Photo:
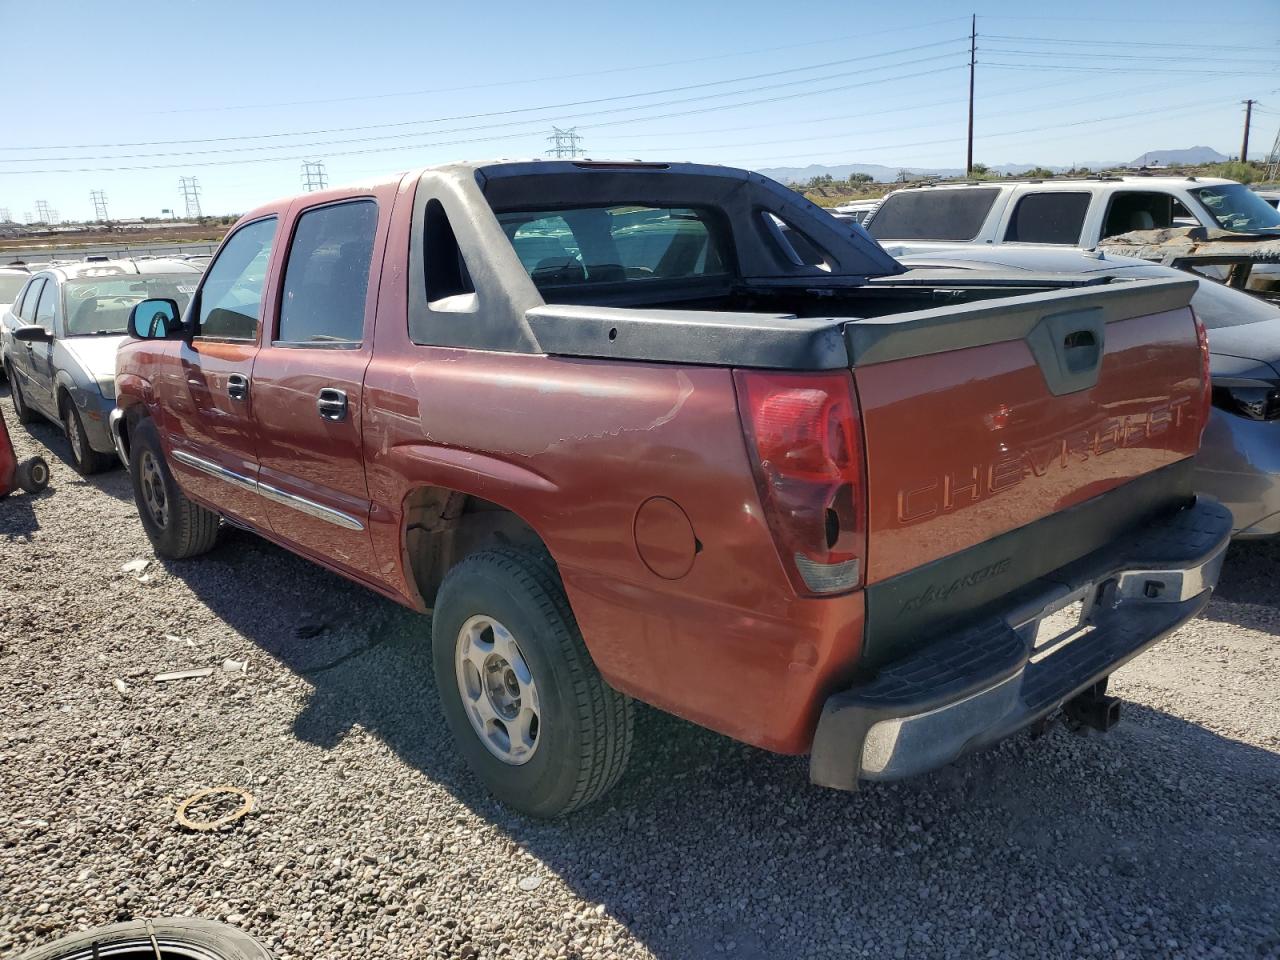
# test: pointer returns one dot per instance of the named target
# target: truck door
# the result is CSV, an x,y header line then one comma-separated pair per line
x,y
213,446
309,381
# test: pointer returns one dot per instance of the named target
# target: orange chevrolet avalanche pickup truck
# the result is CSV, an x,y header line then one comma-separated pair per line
x,y
671,433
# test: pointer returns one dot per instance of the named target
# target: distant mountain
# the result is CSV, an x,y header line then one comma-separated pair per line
x,y
1189,155
883,174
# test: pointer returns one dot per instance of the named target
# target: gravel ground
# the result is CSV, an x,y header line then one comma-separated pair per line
x,y
1161,839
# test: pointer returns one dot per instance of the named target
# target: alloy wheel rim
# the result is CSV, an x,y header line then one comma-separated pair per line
x,y
74,437
498,691
153,493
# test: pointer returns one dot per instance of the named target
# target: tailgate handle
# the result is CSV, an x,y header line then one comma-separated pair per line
x,y
1068,348
1080,348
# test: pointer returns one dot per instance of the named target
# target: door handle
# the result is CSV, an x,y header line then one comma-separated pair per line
x,y
332,403
238,387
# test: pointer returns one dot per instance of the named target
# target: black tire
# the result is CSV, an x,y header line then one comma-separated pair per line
x,y
84,458
32,475
182,528
133,941
24,413
585,726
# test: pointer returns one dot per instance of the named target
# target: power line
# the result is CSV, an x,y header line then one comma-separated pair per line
x,y
517,110
1134,43
314,176
429,144
190,188
524,81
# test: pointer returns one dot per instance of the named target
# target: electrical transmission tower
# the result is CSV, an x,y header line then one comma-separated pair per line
x,y
190,188
99,198
43,213
4,215
1273,160
313,175
564,143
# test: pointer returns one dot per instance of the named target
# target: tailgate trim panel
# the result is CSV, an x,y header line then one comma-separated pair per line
x,y
957,589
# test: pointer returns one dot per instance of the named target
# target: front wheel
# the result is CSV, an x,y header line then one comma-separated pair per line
x,y
84,458
177,527
529,711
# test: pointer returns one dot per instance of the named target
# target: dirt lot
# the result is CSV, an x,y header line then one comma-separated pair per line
x,y
1161,839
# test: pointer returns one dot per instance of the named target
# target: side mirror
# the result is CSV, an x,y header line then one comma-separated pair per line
x,y
155,320
32,333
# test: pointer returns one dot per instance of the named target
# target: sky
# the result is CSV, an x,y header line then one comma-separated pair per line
x,y
127,97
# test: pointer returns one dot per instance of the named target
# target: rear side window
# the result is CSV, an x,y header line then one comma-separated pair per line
x,y
29,300
614,244
933,214
1048,218
1138,211
327,275
231,298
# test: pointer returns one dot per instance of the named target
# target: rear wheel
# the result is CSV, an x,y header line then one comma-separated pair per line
x,y
24,413
84,458
177,527
529,711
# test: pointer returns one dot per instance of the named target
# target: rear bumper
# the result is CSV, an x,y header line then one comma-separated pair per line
x,y
975,687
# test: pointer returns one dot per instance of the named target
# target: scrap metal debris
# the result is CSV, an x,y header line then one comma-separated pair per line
x,y
246,807
136,567
184,674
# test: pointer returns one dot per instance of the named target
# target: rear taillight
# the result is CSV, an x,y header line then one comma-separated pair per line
x,y
803,431
1206,397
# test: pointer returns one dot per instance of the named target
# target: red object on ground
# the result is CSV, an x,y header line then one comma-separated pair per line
x,y
31,475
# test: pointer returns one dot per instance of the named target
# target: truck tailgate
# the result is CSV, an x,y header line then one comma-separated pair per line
x,y
1009,438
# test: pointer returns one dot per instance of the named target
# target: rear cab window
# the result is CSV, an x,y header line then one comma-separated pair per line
x,y
621,243
933,214
326,277
1050,217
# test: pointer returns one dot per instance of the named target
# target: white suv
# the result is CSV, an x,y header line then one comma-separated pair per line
x,y
1069,213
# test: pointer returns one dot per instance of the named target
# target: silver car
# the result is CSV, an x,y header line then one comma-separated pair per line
x,y
60,337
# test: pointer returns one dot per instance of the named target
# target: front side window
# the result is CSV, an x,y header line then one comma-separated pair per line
x,y
47,307
933,214
100,306
231,298
28,310
614,244
1048,218
1236,207
327,275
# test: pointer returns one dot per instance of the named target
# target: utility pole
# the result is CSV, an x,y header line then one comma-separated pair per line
x,y
99,198
973,50
564,143
313,175
1248,118
190,188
